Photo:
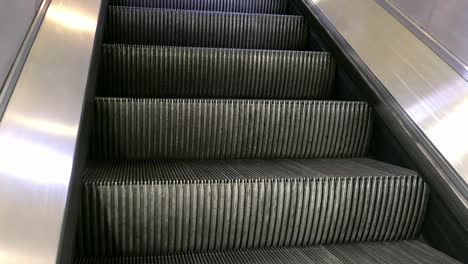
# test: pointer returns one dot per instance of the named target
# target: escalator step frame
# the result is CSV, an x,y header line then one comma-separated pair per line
x,y
229,129
124,216
187,72
240,6
167,27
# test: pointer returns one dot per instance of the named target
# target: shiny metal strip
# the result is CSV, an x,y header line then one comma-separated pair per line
x,y
419,96
444,20
39,131
16,17
438,45
8,48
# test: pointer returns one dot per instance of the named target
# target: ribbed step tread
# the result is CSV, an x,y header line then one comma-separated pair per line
x,y
179,72
159,207
407,252
208,128
147,26
241,6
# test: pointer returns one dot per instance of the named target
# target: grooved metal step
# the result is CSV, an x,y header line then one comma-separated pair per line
x,y
160,207
241,6
207,128
147,26
185,72
408,252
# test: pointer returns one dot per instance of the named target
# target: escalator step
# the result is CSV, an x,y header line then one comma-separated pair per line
x,y
241,6
160,207
408,252
174,72
145,129
147,26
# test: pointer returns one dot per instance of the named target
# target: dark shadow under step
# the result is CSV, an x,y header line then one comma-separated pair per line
x,y
180,72
159,207
209,128
242,6
147,26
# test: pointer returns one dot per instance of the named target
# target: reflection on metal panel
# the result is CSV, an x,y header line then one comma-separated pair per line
x,y
445,20
450,49
38,133
420,85
21,21
15,19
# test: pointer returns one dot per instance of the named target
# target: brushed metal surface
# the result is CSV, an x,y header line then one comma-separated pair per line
x,y
445,20
38,133
427,98
15,19
438,24
19,23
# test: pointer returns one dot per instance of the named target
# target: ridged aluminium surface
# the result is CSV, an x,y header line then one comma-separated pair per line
x,y
160,207
146,129
408,252
241,6
148,26
185,72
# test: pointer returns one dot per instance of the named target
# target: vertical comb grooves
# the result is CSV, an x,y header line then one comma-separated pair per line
x,y
412,252
204,129
116,222
147,26
264,167
136,71
241,6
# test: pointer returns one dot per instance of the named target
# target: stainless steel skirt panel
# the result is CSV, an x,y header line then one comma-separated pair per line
x,y
160,207
439,24
147,26
186,72
19,24
215,128
421,98
39,135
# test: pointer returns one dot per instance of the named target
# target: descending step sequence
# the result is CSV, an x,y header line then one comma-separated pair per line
x,y
215,131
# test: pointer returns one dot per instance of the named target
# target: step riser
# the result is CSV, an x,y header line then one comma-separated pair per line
x,y
169,72
167,217
204,29
395,252
223,129
241,6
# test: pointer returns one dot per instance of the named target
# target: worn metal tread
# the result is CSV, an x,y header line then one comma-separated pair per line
x,y
407,252
159,207
144,129
241,6
186,72
149,26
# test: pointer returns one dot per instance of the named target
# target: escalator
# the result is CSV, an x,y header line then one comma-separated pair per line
x,y
219,137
